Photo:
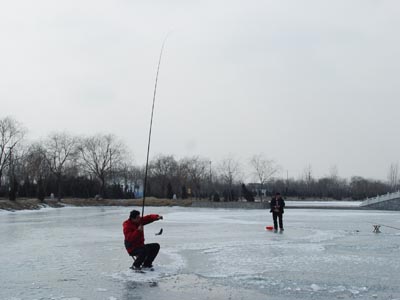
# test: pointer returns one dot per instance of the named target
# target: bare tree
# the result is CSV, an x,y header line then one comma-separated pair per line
x,y
37,169
162,169
11,134
197,172
61,153
393,176
229,172
307,174
100,155
132,178
308,179
334,172
337,184
264,169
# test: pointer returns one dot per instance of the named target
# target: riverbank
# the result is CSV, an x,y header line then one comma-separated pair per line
x,y
290,204
34,204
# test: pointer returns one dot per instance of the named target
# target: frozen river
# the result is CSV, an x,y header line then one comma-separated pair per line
x,y
77,253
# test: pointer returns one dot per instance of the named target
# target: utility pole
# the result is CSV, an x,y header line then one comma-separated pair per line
x,y
111,172
210,173
287,182
111,179
12,191
210,184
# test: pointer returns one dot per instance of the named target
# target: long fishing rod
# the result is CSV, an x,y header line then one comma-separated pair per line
x,y
151,124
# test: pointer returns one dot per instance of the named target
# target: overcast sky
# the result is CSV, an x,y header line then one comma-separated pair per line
x,y
304,82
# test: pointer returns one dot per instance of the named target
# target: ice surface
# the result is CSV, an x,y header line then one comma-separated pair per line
x,y
78,253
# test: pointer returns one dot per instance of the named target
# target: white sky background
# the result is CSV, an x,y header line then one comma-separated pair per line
x,y
304,82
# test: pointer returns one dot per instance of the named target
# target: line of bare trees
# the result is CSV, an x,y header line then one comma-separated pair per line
x,y
69,166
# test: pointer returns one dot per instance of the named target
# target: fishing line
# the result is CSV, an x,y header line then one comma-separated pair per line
x,y
384,225
389,226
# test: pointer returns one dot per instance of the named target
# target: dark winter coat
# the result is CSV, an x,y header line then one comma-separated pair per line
x,y
276,206
134,238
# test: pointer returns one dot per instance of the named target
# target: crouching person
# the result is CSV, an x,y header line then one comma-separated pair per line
x,y
134,240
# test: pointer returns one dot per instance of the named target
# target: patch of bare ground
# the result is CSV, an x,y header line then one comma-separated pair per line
x,y
31,204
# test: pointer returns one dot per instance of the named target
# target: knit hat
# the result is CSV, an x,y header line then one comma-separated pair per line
x,y
133,214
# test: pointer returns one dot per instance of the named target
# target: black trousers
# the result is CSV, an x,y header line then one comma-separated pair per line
x,y
145,255
277,216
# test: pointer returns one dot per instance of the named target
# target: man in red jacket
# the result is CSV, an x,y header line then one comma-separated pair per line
x,y
134,240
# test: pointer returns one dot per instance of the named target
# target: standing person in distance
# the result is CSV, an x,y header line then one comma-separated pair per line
x,y
277,208
134,240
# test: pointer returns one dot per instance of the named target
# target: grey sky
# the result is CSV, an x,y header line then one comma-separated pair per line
x,y
304,82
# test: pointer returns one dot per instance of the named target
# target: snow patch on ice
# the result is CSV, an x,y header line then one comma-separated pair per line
x,y
42,208
148,276
316,287
318,236
212,250
175,264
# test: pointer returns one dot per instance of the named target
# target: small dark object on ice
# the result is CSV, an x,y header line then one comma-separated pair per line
x,y
160,232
